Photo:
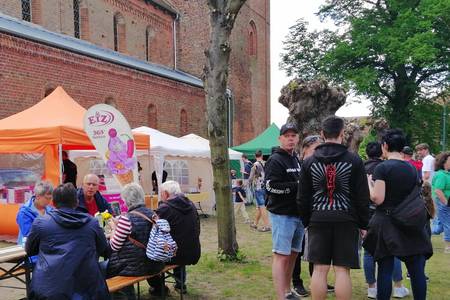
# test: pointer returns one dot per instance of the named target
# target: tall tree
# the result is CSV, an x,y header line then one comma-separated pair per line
x,y
223,14
395,52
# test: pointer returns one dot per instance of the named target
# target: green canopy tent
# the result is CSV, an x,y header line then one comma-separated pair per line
x,y
264,142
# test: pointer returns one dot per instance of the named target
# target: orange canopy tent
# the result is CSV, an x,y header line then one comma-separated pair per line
x,y
53,124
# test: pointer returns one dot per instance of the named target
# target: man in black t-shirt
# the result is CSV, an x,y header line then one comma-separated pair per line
x,y
334,204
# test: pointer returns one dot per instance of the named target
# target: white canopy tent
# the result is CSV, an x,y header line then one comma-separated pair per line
x,y
164,146
192,150
198,141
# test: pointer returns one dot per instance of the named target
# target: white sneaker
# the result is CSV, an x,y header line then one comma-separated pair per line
x,y
400,292
372,293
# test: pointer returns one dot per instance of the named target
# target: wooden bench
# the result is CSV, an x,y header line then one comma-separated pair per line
x,y
119,282
4,274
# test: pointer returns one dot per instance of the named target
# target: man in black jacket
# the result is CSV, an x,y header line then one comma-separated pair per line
x,y
184,222
334,203
282,172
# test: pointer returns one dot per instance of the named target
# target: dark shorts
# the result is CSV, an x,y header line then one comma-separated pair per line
x,y
333,244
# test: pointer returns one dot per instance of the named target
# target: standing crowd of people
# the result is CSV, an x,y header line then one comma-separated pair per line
x,y
326,205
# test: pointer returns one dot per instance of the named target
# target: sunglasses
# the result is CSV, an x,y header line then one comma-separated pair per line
x,y
309,140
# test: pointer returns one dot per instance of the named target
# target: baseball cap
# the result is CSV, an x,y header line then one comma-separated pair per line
x,y
288,126
407,150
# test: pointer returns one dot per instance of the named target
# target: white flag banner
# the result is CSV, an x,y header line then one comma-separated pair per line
x,y
111,135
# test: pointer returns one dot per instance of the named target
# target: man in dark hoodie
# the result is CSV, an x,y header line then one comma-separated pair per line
x,y
68,244
334,204
184,222
282,171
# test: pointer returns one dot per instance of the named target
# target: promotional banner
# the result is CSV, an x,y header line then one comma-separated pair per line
x,y
111,135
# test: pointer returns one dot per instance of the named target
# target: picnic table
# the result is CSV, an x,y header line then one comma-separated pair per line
x,y
16,257
151,201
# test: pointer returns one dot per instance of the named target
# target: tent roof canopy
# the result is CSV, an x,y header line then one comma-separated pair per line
x,y
198,141
165,144
57,119
264,142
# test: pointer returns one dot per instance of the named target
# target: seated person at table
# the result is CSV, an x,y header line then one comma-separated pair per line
x,y
89,198
68,244
37,205
130,236
184,222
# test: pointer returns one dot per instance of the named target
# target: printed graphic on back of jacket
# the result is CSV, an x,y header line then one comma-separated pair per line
x,y
332,185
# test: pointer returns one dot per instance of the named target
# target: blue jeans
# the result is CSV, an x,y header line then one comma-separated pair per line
x,y
416,269
443,212
369,269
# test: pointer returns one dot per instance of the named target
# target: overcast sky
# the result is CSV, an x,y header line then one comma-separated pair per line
x,y
284,13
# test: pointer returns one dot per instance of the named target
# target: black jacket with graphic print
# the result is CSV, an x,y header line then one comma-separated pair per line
x,y
282,172
333,187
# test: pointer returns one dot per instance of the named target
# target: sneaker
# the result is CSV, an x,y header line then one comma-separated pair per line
x,y
300,291
247,221
400,292
264,229
330,288
372,293
291,296
254,226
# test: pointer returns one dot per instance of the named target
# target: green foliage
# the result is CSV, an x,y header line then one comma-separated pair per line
x,y
239,257
371,137
426,125
391,51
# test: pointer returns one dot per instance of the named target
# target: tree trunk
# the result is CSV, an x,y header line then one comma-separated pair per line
x,y
222,16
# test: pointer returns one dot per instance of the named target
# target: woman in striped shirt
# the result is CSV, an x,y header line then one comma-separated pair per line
x,y
130,236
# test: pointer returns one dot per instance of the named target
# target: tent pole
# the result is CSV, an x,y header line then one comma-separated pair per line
x,y
61,166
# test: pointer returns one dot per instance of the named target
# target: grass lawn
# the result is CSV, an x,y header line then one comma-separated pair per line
x,y
252,279
212,279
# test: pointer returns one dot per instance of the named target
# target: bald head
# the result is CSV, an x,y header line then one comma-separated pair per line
x,y
90,185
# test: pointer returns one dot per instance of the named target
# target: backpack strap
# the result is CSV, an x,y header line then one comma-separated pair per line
x,y
142,216
134,241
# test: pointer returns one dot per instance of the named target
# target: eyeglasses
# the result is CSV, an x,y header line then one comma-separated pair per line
x,y
309,140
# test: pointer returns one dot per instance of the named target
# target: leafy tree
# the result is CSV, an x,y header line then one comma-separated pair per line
x,y
394,52
223,14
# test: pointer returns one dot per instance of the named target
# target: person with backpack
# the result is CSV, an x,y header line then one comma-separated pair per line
x,y
130,235
184,221
256,178
391,232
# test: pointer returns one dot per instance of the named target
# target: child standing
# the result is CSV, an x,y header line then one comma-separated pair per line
x,y
239,200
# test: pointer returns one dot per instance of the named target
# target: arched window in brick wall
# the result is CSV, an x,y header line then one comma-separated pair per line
x,y
48,90
84,19
148,31
76,18
119,33
111,101
26,10
252,39
152,116
183,122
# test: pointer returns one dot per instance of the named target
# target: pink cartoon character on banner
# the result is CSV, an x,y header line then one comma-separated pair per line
x,y
120,157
